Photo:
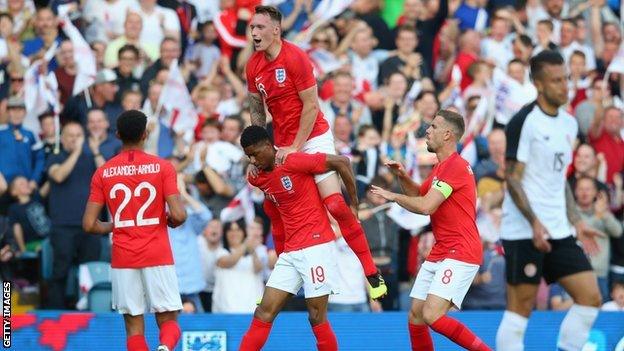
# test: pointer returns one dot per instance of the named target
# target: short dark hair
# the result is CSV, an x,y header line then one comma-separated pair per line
x,y
128,47
544,58
548,23
7,16
515,61
131,126
407,28
253,135
569,20
236,118
455,120
578,53
270,11
45,115
525,40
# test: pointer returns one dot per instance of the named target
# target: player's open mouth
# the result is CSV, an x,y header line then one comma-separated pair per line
x,y
257,41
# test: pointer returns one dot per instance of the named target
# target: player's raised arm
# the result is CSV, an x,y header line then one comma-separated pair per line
x,y
425,205
91,222
342,165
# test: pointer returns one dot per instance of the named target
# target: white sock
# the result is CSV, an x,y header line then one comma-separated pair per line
x,y
510,335
576,326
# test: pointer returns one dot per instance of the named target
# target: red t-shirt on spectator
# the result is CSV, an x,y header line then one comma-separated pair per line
x,y
613,150
464,61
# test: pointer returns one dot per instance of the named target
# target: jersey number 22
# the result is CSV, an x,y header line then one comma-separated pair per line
x,y
127,195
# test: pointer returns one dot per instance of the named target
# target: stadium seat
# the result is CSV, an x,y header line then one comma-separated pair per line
x,y
95,282
100,298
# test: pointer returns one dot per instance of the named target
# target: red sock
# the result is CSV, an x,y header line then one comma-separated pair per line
x,y
256,336
279,236
459,334
137,343
325,337
420,337
351,231
169,334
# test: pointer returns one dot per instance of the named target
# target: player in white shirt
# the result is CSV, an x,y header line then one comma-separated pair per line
x,y
537,212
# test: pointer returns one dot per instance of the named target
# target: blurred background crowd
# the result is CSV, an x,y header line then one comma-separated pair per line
x,y
69,67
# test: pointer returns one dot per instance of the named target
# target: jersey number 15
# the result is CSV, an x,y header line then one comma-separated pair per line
x,y
127,195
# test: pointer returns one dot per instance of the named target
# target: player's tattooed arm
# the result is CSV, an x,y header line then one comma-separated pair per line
x,y
571,210
514,171
256,107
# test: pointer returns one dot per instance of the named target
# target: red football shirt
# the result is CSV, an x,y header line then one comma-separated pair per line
x,y
134,186
292,189
454,222
613,150
279,82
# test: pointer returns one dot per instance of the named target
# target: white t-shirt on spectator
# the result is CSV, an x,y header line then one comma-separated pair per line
x,y
612,306
237,288
511,95
227,108
499,51
152,31
206,9
365,68
220,157
208,262
110,14
590,57
352,282
206,56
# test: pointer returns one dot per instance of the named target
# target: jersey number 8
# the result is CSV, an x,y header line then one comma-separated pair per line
x,y
127,193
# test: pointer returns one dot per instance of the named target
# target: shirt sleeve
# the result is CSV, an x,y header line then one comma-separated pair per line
x,y
170,180
97,189
447,180
302,71
307,163
518,133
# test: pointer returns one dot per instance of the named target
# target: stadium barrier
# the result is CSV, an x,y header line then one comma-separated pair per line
x,y
355,331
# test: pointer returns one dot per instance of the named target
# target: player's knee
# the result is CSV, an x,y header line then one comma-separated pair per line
x,y
266,313
316,315
431,314
591,298
337,207
415,315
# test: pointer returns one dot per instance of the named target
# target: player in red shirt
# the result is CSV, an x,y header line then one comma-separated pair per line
x,y
279,75
136,187
449,196
308,256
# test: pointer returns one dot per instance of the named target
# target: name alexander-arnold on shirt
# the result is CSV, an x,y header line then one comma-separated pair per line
x,y
130,170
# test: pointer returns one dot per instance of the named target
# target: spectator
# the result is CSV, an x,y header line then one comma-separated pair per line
x,y
426,106
568,44
472,15
46,28
605,135
204,54
469,50
187,17
594,209
185,250
107,16
21,11
231,129
70,174
558,298
410,63
343,103
169,51
394,106
133,26
343,135
598,94
158,23
367,157
587,164
488,290
383,239
213,190
100,95
27,216
238,278
617,295
131,100
219,155
128,63
101,142
22,153
364,61
209,243
496,157
48,133
578,82
544,35
66,71
352,283
497,47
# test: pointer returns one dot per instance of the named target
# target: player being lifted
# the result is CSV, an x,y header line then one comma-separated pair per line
x,y
279,74
449,196
136,187
307,257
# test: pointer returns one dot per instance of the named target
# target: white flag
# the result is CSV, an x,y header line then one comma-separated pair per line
x,y
241,206
83,55
617,64
39,95
176,100
328,9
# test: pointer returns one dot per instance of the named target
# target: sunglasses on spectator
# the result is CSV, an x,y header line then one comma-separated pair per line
x,y
128,58
321,40
17,79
